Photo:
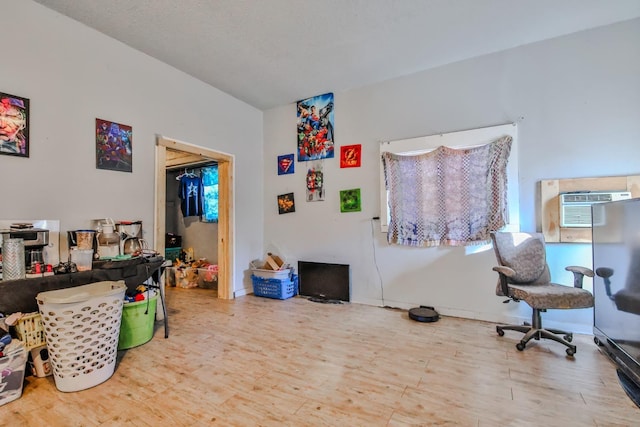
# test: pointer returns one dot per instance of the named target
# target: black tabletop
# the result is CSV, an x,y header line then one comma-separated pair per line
x,y
20,295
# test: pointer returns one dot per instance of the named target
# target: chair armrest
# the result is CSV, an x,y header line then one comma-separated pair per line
x,y
582,270
504,272
606,273
501,269
578,274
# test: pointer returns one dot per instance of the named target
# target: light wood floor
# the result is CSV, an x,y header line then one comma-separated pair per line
x,y
257,361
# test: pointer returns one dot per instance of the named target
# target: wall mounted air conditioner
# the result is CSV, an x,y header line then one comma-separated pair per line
x,y
575,208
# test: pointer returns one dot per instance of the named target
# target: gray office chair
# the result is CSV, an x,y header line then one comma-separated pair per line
x,y
524,276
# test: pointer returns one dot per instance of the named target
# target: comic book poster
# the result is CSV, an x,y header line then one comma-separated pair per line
x,y
285,164
14,125
286,203
315,184
113,146
350,200
315,128
350,156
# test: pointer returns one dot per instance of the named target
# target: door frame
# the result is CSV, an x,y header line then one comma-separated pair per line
x,y
226,246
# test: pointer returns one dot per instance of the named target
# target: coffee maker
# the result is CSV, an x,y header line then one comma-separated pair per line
x,y
130,237
35,239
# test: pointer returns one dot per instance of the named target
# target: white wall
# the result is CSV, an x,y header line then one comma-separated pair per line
x,y
73,75
576,100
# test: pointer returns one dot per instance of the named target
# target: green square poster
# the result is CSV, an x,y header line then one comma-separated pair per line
x,y
350,200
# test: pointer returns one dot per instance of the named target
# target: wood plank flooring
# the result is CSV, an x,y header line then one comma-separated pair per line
x,y
262,362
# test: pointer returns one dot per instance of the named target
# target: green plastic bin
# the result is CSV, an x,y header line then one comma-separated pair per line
x,y
138,320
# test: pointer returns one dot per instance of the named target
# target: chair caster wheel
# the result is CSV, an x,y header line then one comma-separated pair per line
x,y
571,352
568,337
520,346
499,331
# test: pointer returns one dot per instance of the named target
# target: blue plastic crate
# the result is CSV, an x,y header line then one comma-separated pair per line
x,y
275,288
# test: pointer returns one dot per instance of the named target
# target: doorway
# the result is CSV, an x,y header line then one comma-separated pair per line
x,y
189,154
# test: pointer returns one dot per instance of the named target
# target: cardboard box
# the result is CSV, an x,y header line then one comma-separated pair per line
x,y
273,262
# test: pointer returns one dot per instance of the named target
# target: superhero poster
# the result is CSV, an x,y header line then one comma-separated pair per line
x,y
285,164
315,128
286,203
315,184
14,125
350,156
113,146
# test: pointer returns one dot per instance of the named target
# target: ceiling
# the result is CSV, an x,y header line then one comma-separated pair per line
x,y
275,52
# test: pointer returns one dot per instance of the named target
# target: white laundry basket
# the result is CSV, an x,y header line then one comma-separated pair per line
x,y
82,326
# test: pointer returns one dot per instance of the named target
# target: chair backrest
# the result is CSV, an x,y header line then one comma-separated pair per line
x,y
525,254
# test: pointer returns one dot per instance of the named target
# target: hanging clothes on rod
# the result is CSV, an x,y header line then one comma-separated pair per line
x,y
185,173
191,193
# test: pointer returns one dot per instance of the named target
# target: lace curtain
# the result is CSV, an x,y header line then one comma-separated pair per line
x,y
448,196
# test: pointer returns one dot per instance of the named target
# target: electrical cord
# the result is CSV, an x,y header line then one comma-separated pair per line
x,y
375,260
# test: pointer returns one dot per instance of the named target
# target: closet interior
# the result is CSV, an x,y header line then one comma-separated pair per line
x,y
191,225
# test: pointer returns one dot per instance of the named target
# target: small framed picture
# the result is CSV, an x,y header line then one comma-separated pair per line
x,y
315,183
286,203
350,200
113,146
350,156
286,164
14,125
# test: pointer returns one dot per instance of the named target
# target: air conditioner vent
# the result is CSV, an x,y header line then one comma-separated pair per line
x,y
588,197
575,208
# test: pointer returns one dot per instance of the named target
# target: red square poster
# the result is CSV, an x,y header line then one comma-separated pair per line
x,y
350,156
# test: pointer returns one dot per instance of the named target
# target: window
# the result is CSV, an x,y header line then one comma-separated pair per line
x,y
463,139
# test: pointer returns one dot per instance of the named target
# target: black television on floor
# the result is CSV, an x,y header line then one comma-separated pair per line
x,y
324,281
616,287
